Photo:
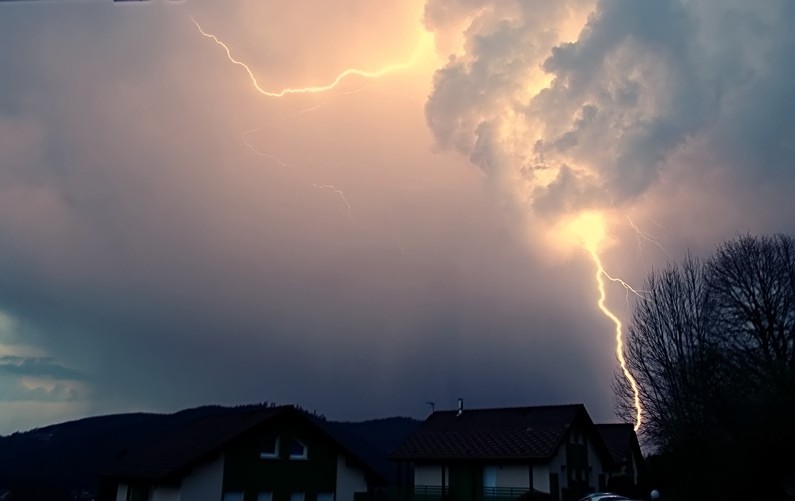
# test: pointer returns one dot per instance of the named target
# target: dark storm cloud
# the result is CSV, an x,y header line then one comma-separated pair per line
x,y
640,81
12,392
45,367
681,109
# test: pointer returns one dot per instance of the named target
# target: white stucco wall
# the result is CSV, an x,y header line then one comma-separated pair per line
x,y
428,475
516,476
121,492
541,477
204,483
349,480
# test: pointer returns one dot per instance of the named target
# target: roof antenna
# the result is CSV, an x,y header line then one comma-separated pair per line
x,y
432,404
460,406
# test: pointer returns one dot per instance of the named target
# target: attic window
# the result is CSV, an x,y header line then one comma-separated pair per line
x,y
269,448
297,449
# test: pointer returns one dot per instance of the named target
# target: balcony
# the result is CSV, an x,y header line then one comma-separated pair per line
x,y
503,493
430,493
435,493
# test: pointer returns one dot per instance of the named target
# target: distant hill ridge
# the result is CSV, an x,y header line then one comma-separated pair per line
x,y
62,460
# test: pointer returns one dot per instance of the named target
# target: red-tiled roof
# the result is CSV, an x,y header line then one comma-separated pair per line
x,y
530,433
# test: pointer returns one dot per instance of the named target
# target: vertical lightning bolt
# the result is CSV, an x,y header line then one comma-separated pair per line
x,y
589,229
600,284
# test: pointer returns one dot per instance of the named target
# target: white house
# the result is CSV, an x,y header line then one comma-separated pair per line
x,y
246,454
552,452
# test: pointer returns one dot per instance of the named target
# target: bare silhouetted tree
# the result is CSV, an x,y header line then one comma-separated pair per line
x,y
712,347
671,351
753,282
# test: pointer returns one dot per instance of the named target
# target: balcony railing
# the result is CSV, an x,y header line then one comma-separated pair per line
x,y
503,493
435,493
430,492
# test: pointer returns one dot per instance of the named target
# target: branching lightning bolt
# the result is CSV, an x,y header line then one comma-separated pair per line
x,y
275,158
263,154
642,235
600,283
590,230
341,195
344,199
312,89
628,288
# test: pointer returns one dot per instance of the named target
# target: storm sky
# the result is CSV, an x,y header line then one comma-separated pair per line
x,y
171,235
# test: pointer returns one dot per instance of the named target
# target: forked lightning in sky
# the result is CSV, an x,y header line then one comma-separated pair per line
x,y
600,283
590,229
313,89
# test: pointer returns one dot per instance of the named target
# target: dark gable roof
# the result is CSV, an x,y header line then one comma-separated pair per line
x,y
618,438
528,433
172,456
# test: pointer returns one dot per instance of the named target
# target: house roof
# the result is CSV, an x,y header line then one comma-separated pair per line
x,y
527,433
199,440
619,439
168,458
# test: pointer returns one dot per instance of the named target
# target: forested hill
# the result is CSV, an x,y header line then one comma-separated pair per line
x,y
61,461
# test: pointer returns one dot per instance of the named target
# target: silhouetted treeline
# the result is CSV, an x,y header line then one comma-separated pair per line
x,y
712,347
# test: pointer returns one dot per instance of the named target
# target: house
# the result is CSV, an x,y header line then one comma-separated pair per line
x,y
545,452
251,453
627,458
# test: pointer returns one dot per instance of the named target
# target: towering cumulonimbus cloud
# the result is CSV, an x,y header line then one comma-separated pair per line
x,y
576,105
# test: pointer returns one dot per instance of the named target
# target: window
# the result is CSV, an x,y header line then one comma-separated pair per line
x,y
297,496
325,496
233,496
297,449
265,496
270,447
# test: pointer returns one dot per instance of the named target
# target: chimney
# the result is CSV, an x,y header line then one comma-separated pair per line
x,y
460,406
